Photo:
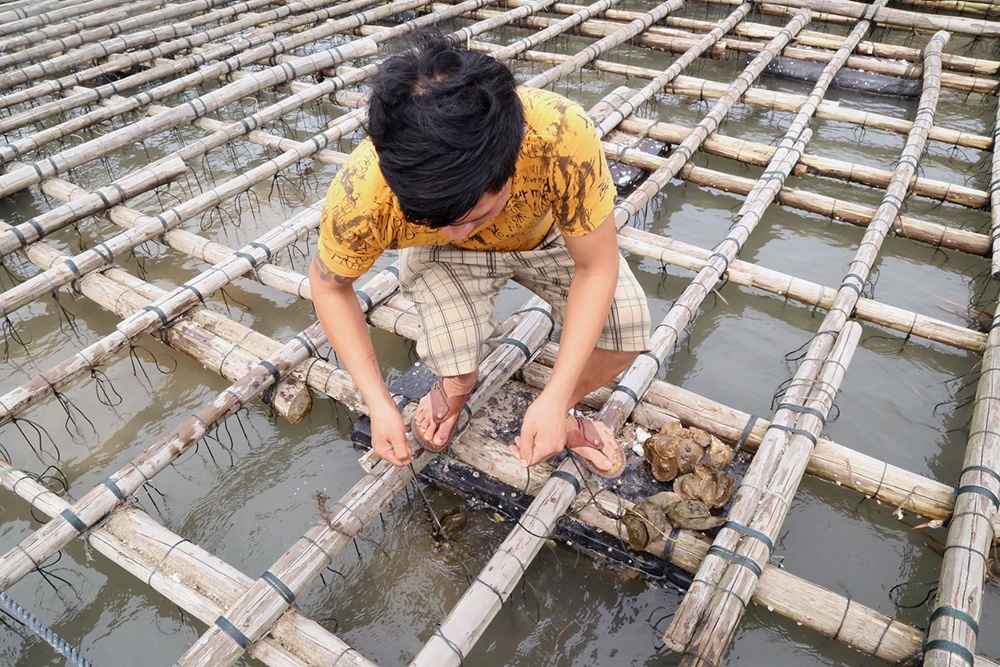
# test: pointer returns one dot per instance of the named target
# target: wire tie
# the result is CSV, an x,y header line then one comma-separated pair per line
x,y
452,645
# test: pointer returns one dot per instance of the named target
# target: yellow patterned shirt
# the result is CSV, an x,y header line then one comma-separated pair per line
x,y
560,177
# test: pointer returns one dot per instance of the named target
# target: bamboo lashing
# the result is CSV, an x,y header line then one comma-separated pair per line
x,y
916,229
261,605
58,12
144,56
55,30
139,181
751,152
134,541
24,10
97,503
954,81
103,41
705,621
288,16
480,603
898,17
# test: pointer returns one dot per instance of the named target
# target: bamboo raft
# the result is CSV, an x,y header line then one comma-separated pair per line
x,y
164,166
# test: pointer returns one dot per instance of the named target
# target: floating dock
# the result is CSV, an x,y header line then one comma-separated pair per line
x,y
144,139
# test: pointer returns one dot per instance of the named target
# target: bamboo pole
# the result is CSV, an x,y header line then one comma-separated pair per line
x,y
913,228
750,152
145,179
103,499
704,89
706,619
57,12
982,8
898,18
471,615
56,30
954,623
102,41
200,583
995,198
314,12
262,604
955,81
24,10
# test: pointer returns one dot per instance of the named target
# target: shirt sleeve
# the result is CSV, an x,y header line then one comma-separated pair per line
x,y
583,190
348,241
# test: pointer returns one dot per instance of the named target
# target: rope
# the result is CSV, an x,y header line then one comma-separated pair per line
x,y
43,631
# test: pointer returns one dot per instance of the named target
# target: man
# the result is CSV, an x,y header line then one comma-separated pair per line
x,y
479,182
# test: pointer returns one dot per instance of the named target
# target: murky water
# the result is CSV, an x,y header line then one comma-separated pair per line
x,y
247,495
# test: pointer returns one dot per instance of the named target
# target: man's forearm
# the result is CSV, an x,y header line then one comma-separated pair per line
x,y
344,324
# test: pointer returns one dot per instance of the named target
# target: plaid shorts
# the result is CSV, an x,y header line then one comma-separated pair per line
x,y
454,291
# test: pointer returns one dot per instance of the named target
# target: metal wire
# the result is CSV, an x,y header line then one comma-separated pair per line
x,y
43,631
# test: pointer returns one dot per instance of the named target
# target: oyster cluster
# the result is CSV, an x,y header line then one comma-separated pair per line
x,y
695,462
655,516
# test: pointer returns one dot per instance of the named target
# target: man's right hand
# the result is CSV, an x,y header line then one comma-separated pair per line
x,y
389,434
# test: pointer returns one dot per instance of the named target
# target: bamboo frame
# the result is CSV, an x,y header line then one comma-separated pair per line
x,y
898,17
706,619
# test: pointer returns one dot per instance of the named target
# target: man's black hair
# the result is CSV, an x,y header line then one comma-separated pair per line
x,y
447,125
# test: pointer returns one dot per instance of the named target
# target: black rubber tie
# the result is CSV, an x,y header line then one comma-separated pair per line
x,y
950,647
671,540
73,520
981,490
247,128
163,221
234,633
957,614
279,586
568,477
854,275
393,269
367,299
114,488
248,257
272,369
306,343
801,408
734,557
159,313
38,170
512,341
539,309
110,257
73,267
103,198
627,391
261,246
34,224
796,431
747,430
20,237
989,471
750,532
317,143
725,258
195,291
651,356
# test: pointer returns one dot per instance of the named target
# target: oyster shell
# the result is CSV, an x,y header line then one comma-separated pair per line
x,y
719,454
713,488
689,454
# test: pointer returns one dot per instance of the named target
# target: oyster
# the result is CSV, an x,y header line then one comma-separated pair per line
x,y
693,515
711,488
719,454
689,454
453,522
645,522
661,452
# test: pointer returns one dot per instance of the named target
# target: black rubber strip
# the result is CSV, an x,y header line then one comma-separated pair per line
x,y
195,291
248,257
159,313
981,490
261,246
950,647
306,343
272,369
393,269
989,471
114,488
73,267
279,586
568,477
34,224
512,341
796,431
750,532
103,198
801,408
234,633
957,614
734,557
628,392
20,237
538,309
361,294
74,520
109,257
